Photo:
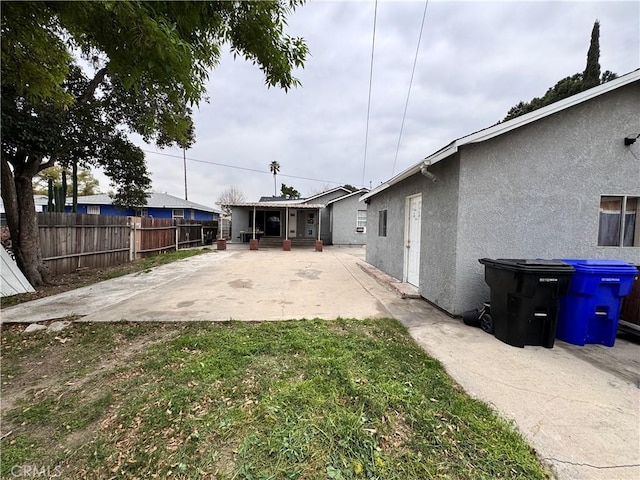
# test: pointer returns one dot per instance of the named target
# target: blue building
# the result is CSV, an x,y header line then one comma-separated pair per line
x,y
159,205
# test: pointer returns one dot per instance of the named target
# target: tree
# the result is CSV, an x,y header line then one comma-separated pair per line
x,y
289,192
229,196
87,183
38,135
151,64
571,85
274,167
591,75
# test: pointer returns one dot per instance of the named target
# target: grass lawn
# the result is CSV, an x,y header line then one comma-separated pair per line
x,y
310,399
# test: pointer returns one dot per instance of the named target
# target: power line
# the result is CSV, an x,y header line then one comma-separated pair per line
x,y
406,105
208,162
366,136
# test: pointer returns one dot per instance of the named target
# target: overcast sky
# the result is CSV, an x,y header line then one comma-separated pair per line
x,y
476,60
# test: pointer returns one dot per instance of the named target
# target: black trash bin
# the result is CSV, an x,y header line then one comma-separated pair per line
x,y
524,298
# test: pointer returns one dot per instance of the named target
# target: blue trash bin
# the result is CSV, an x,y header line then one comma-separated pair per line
x,y
590,311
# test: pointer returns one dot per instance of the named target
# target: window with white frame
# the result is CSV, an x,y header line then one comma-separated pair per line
x,y
178,213
361,221
619,225
93,209
382,223
144,212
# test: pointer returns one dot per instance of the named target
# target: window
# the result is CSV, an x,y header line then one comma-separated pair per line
x,y
178,213
144,212
382,223
361,221
93,209
619,224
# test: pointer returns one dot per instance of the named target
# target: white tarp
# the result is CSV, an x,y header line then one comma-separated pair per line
x,y
13,280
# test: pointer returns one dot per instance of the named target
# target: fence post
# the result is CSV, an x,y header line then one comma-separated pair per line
x,y
132,239
177,227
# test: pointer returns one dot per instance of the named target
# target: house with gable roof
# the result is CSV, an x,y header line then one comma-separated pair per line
x,y
559,182
159,205
271,220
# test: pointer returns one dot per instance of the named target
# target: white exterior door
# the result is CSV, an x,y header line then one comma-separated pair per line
x,y
412,236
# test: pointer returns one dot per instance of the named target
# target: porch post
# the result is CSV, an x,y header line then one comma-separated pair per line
x,y
318,241
286,244
254,223
253,243
286,224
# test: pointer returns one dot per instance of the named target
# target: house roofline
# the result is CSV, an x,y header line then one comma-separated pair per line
x,y
326,193
267,205
104,199
505,127
362,191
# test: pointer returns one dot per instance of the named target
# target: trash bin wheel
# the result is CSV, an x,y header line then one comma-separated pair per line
x,y
471,318
486,323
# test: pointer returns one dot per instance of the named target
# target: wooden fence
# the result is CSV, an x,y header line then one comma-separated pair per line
x,y
72,241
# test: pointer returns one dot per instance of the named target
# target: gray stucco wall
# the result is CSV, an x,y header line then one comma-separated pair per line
x,y
343,221
439,239
386,253
239,222
535,192
325,227
437,231
531,193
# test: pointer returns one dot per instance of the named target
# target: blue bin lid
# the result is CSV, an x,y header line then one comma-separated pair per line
x,y
617,267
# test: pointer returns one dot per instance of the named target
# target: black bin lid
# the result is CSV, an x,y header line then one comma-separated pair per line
x,y
528,265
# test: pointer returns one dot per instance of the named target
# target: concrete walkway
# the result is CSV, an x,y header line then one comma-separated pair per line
x,y
579,407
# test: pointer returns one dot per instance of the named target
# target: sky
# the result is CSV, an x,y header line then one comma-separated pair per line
x,y
475,61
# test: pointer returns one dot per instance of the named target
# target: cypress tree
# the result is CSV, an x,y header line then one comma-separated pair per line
x,y
572,85
591,75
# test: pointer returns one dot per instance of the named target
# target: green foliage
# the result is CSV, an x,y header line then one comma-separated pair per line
x,y
274,167
35,58
89,133
591,75
58,194
572,85
87,183
169,47
289,192
151,65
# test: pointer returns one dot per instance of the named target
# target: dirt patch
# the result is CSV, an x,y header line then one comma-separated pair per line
x,y
241,284
348,330
53,372
399,433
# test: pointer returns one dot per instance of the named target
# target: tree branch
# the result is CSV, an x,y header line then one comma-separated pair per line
x,y
49,163
93,84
